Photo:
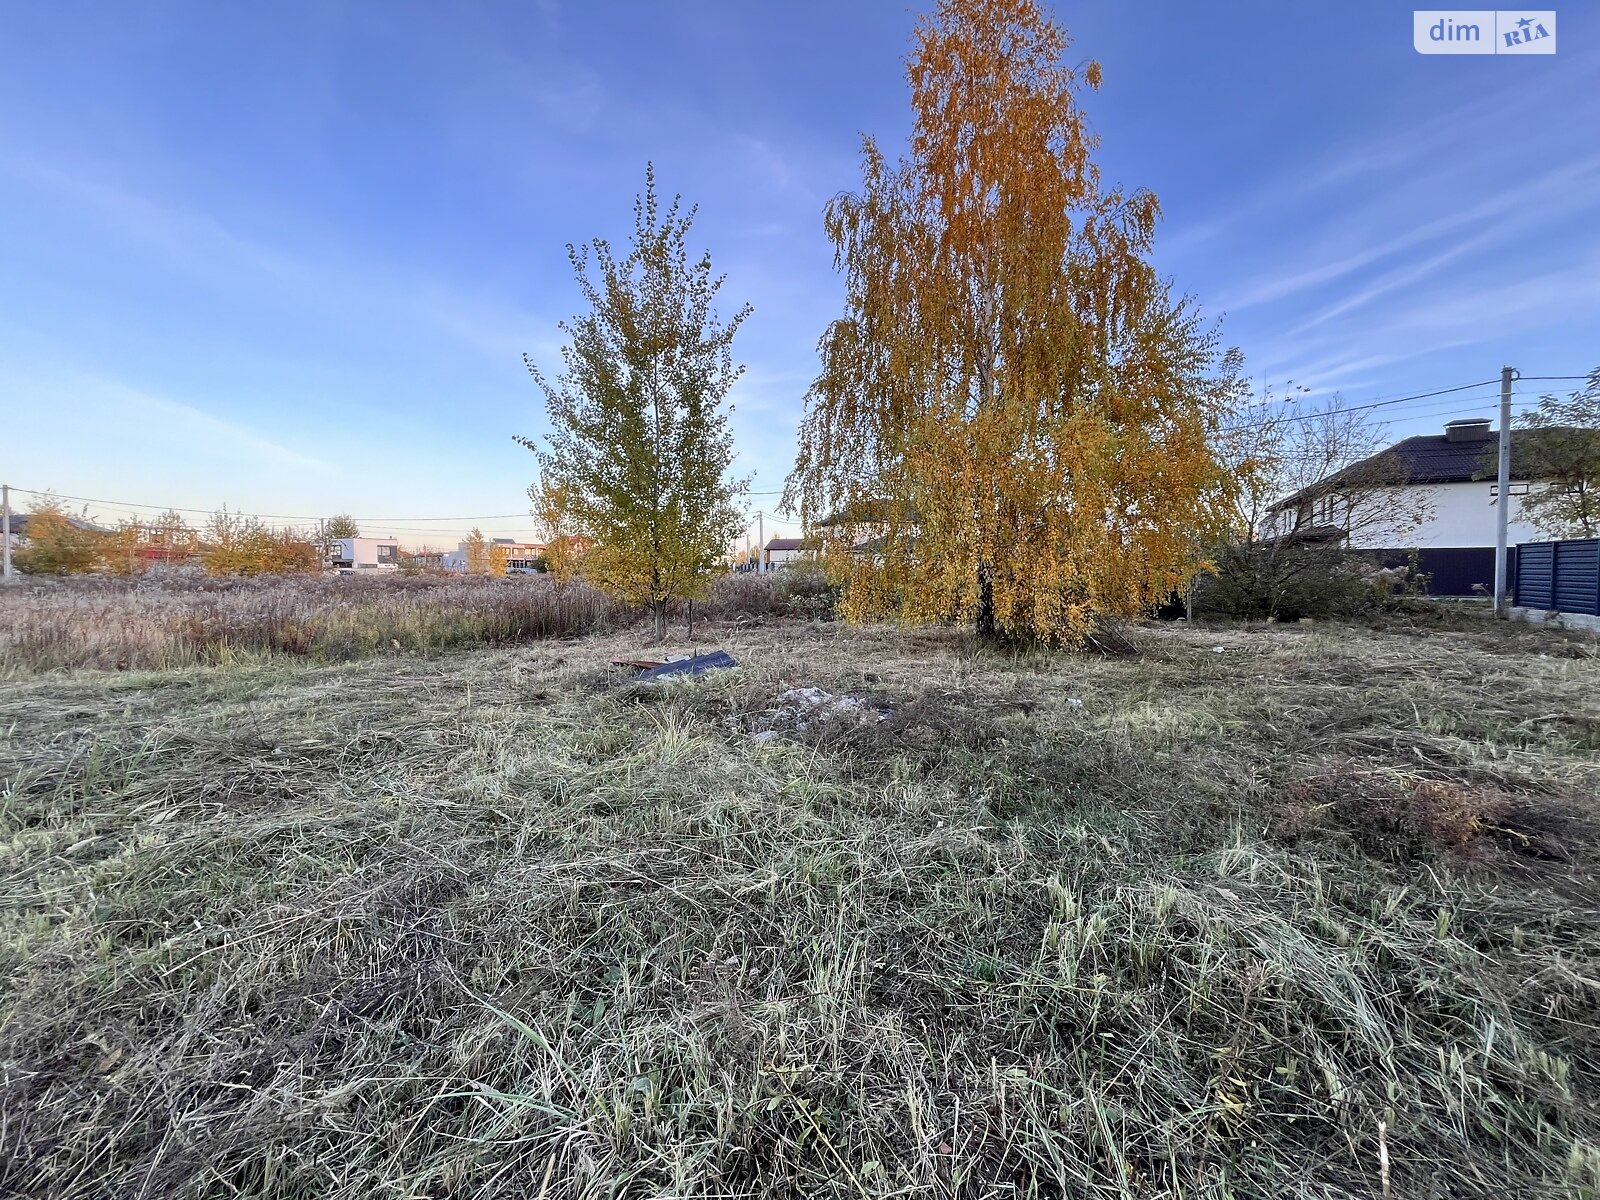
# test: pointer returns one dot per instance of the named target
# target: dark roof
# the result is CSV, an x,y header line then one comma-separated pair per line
x,y
868,512
1433,458
19,524
875,546
788,544
860,512
1314,533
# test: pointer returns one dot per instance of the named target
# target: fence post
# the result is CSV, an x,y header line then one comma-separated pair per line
x,y
1594,590
1502,514
5,529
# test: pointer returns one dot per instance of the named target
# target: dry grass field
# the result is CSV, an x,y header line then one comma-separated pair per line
x,y
1314,914
182,621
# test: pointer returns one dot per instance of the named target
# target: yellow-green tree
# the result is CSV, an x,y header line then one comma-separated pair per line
x,y
133,547
1013,386
171,534
341,525
636,468
120,548
57,543
235,544
563,550
499,560
230,544
477,553
1558,444
291,552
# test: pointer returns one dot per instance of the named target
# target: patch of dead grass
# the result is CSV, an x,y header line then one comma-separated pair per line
x,y
487,924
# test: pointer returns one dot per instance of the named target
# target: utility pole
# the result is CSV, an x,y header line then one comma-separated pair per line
x,y
5,528
1503,494
761,542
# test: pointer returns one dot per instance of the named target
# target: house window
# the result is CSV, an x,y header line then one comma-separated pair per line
x,y
1514,489
387,554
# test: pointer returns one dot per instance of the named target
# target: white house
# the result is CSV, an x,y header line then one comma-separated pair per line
x,y
861,526
781,551
363,554
1454,473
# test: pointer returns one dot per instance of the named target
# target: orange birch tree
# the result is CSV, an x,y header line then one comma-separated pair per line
x,y
1013,387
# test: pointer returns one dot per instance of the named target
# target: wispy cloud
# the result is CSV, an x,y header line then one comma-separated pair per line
x,y
1409,159
1563,189
1508,304
119,412
185,238
218,430
194,242
1392,282
500,329
1324,367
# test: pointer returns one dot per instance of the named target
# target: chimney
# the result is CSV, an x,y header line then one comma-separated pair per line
x,y
1475,429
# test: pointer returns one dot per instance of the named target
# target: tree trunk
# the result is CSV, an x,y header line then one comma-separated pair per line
x,y
988,627
691,620
659,610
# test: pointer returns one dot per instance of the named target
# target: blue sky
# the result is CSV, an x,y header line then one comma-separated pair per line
x,y
287,256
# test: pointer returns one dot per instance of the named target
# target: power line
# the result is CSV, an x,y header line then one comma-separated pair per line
x,y
394,521
751,516
1350,408
1424,414
458,524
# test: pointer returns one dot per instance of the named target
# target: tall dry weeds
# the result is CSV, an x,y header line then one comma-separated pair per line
x,y
152,624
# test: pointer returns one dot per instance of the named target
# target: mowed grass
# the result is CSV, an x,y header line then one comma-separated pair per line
x,y
1314,915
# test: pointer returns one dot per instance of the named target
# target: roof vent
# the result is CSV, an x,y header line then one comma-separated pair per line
x,y
1474,430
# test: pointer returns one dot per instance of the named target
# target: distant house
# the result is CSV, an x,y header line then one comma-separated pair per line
x,y
520,557
857,525
19,528
782,551
853,516
1456,472
169,552
362,554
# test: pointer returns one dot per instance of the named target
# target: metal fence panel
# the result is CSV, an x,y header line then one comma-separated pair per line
x,y
1559,576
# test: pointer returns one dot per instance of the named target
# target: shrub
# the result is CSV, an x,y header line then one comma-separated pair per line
x,y
793,591
803,590
742,594
57,544
1285,582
